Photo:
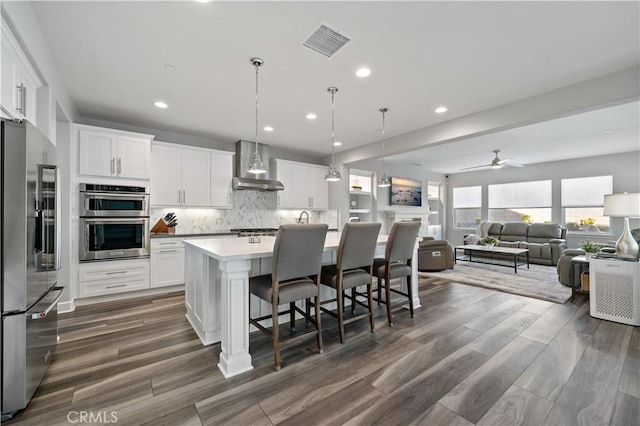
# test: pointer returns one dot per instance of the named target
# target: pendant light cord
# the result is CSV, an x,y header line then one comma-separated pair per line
x,y
384,110
256,138
333,141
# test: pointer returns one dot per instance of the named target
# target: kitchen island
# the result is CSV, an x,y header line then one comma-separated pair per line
x,y
217,291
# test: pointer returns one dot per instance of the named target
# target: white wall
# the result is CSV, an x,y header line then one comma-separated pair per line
x,y
623,167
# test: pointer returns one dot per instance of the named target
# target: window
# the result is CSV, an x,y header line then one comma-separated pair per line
x,y
520,202
582,202
467,203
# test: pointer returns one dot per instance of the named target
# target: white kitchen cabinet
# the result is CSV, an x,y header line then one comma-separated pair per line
x,y
19,81
105,152
167,262
118,276
304,185
221,177
190,177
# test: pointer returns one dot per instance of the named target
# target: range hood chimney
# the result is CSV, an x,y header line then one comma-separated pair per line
x,y
246,180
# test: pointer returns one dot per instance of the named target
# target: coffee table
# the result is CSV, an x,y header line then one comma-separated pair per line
x,y
493,250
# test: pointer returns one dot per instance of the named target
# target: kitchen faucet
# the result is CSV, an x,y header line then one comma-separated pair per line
x,y
303,212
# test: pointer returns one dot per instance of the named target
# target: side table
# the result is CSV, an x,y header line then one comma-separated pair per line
x,y
579,264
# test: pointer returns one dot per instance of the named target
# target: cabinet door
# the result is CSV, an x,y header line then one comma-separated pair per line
x,y
318,188
285,175
300,196
221,176
28,102
134,157
97,153
166,171
9,83
167,267
196,178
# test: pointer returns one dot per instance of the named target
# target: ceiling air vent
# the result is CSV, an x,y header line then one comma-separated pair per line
x,y
326,41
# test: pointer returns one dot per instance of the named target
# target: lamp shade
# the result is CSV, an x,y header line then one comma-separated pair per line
x,y
622,205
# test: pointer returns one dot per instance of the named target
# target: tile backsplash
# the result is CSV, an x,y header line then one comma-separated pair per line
x,y
251,209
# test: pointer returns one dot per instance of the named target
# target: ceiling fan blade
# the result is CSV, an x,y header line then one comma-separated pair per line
x,y
503,161
477,167
513,165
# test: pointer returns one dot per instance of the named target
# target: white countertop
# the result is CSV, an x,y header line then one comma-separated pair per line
x,y
225,249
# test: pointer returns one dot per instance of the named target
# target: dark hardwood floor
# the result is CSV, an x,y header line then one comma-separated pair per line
x,y
470,356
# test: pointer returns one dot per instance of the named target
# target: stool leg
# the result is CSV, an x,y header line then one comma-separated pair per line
x,y
370,302
292,315
276,336
340,301
316,305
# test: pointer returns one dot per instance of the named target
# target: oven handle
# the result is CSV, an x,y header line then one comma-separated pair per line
x,y
98,220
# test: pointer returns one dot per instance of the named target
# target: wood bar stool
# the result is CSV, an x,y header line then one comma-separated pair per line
x,y
396,263
295,275
352,269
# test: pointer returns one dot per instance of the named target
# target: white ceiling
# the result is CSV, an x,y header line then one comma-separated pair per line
x,y
469,56
605,131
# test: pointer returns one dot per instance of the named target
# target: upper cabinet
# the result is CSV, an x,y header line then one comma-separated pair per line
x,y
19,80
109,153
190,177
304,185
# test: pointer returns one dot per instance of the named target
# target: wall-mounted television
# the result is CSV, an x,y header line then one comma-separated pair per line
x,y
406,192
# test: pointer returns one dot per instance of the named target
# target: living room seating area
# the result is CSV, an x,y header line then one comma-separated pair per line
x,y
545,241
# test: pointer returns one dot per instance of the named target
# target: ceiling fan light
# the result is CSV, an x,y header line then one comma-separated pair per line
x,y
496,166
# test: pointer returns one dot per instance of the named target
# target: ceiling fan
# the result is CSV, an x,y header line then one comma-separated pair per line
x,y
497,163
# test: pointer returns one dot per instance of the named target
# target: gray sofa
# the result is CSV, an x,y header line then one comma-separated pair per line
x,y
545,241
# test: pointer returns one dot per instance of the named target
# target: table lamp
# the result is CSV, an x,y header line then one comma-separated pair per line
x,y
624,205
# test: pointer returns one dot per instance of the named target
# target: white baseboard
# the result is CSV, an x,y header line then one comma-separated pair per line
x,y
64,307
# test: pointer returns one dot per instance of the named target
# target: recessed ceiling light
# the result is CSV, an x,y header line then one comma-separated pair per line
x,y
203,1
337,143
169,67
441,109
608,131
268,129
161,104
363,72
311,116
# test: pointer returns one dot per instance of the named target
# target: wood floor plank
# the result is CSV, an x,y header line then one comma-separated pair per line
x,y
517,407
550,371
473,397
626,410
187,416
612,338
495,316
398,373
588,397
253,416
416,397
630,379
583,322
537,306
550,323
332,410
504,332
439,415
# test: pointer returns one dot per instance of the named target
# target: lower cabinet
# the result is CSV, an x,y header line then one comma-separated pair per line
x,y
167,262
111,277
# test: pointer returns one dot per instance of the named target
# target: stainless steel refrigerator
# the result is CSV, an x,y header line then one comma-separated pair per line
x,y
29,256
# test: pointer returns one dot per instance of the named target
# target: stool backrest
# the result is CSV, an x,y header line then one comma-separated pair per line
x,y
297,251
402,240
357,245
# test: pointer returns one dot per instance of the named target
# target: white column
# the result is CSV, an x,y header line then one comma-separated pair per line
x,y
234,316
414,279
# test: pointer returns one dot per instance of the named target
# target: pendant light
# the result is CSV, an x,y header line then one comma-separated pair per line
x,y
384,181
333,175
256,165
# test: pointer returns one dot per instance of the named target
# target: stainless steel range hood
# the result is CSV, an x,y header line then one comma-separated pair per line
x,y
245,180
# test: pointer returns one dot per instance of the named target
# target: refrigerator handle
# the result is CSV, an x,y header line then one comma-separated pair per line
x,y
45,312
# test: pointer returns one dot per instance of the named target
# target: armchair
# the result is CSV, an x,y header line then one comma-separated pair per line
x,y
435,255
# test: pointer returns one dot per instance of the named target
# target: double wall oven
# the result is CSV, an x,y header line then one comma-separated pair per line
x,y
114,222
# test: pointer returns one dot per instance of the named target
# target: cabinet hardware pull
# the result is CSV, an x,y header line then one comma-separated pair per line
x,y
179,196
116,286
169,251
21,99
116,272
119,165
113,165
166,244
184,196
